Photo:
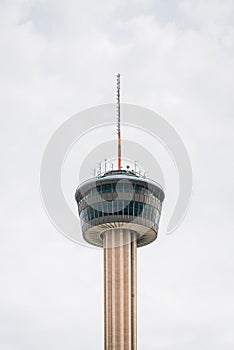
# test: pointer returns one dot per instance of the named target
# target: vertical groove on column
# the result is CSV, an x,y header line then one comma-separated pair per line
x,y
112,306
105,298
117,277
127,291
134,293
121,234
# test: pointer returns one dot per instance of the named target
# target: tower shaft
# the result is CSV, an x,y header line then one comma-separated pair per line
x,y
120,289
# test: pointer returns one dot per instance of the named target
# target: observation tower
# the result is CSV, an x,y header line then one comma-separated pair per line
x,y
120,211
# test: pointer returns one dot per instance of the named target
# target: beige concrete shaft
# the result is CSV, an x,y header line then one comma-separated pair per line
x,y
120,288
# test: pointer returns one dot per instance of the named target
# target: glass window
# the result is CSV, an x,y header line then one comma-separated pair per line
x,y
156,215
105,188
125,187
85,215
130,208
141,207
145,212
152,214
115,206
126,209
135,208
109,207
99,207
119,187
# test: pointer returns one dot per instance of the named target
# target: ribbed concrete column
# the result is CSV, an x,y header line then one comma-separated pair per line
x,y
120,254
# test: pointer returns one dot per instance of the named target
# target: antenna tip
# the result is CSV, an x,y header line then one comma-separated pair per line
x,y
118,81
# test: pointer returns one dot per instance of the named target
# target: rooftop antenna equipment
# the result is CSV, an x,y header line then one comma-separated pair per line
x,y
105,164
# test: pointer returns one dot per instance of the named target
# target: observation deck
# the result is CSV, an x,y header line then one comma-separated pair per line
x,y
119,199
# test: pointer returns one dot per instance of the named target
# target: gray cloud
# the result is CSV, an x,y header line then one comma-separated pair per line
x,y
176,57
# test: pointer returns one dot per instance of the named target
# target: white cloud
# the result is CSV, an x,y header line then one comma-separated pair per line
x,y
58,58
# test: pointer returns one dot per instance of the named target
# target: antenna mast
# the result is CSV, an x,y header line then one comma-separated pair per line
x,y
118,122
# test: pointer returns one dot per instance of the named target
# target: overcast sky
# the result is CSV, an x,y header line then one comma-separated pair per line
x,y
58,58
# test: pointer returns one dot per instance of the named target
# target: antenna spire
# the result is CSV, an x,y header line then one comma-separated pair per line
x,y
118,121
